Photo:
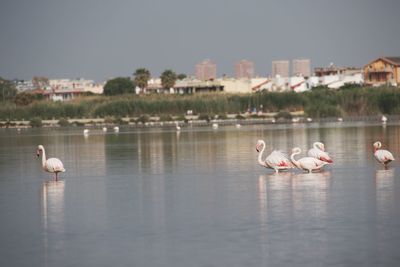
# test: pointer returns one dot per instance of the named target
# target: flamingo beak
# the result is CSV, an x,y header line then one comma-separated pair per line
x,y
258,148
37,153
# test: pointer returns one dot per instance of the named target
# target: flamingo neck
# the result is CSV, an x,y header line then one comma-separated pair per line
x,y
260,161
316,146
43,158
295,162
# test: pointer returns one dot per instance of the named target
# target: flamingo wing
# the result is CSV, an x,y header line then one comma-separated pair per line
x,y
319,154
383,156
310,163
54,165
278,159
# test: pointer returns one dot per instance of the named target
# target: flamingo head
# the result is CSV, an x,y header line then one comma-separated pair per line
x,y
38,150
377,145
259,146
296,150
320,145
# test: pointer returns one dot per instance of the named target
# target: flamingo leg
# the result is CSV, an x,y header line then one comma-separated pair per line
x,y
56,176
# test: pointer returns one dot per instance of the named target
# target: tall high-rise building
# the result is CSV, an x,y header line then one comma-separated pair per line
x,y
301,67
244,69
206,70
281,68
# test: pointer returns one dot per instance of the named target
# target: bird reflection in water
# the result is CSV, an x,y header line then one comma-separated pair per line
x,y
52,214
318,180
310,193
53,203
385,195
272,187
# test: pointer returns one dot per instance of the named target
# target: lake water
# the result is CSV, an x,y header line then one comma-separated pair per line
x,y
155,197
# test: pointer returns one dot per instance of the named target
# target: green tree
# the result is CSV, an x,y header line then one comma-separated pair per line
x,y
7,90
24,99
181,76
117,86
142,76
168,79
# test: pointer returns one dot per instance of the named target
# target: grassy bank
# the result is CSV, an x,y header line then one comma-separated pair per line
x,y
318,103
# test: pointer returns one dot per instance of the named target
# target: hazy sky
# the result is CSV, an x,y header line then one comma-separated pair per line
x,y
100,39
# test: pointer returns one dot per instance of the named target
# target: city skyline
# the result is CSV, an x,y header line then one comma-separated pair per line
x,y
100,40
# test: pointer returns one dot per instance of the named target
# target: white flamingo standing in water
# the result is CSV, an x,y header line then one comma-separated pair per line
x,y
52,165
277,160
318,152
178,128
382,156
307,163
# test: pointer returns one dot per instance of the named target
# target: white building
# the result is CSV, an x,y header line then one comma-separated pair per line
x,y
76,85
235,86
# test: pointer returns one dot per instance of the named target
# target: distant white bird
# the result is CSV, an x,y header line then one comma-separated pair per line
x,y
178,128
277,160
307,163
215,126
318,152
52,165
238,125
340,119
309,119
273,121
116,129
295,120
86,131
104,129
382,156
384,119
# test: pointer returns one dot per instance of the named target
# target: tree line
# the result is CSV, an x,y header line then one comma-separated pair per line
x,y
316,103
122,85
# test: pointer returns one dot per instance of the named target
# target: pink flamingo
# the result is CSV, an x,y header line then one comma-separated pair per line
x,y
382,156
307,163
318,152
52,165
277,160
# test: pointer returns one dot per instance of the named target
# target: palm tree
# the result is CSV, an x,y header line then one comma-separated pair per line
x,y
168,79
142,76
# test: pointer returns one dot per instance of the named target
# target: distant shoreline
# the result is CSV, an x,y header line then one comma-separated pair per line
x,y
194,122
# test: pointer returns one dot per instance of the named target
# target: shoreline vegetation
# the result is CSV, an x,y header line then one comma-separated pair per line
x,y
318,104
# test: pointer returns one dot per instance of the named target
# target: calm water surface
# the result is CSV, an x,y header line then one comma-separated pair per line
x,y
154,197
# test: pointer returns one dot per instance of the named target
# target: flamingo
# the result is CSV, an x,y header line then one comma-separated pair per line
x,y
318,152
52,165
382,156
384,119
86,131
277,160
215,126
104,129
178,128
116,129
307,163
